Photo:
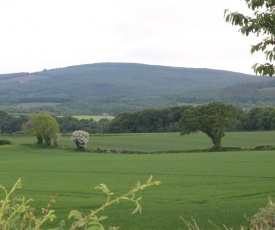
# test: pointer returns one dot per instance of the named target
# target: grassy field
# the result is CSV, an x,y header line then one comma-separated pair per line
x,y
150,142
219,186
95,118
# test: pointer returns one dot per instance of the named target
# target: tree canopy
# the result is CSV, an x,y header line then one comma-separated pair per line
x,y
211,119
43,126
261,23
148,120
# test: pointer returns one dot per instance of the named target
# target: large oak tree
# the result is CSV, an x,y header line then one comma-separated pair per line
x,y
211,119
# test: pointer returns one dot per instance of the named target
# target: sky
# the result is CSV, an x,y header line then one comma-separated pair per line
x,y
49,34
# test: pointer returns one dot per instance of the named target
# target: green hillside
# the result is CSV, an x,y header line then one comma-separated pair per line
x,y
113,87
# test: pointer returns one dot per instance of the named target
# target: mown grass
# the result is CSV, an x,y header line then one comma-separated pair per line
x,y
221,186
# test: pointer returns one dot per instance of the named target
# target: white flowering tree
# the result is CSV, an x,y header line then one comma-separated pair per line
x,y
80,138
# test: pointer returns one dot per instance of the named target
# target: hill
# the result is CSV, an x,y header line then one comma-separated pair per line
x,y
115,87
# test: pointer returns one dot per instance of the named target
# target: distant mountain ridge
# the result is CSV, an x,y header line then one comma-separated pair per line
x,y
115,87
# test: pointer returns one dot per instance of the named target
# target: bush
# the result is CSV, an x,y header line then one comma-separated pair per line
x,y
80,138
263,220
264,147
5,142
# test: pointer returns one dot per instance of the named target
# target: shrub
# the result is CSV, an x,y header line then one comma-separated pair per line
x,y
5,142
264,147
80,138
263,220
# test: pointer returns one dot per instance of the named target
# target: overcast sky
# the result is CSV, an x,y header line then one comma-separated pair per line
x,y
47,34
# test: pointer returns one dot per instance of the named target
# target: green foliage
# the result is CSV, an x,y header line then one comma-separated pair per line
x,y
148,121
210,119
263,220
265,147
261,23
10,123
258,118
5,142
93,221
43,126
18,214
68,124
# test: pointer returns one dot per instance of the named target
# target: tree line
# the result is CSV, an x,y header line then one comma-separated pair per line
x,y
146,121
13,123
168,120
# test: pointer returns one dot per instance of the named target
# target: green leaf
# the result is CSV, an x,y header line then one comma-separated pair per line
x,y
102,218
94,222
149,180
92,227
75,214
137,209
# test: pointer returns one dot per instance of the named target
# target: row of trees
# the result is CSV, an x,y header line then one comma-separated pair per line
x,y
168,120
258,118
213,119
12,123
210,118
68,124
148,120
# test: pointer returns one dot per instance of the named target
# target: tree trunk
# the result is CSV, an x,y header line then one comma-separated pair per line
x,y
39,140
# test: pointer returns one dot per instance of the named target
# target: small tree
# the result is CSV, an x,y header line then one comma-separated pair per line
x,y
80,138
211,119
261,23
43,126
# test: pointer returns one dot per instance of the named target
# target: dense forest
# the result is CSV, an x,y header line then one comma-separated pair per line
x,y
144,121
123,87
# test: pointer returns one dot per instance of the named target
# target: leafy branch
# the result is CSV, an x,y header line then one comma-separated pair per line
x,y
93,222
18,214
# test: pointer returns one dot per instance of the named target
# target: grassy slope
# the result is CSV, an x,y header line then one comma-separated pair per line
x,y
217,186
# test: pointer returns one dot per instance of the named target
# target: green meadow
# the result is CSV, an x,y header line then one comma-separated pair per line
x,y
94,117
217,186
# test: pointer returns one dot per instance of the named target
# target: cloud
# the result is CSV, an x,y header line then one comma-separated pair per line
x,y
50,34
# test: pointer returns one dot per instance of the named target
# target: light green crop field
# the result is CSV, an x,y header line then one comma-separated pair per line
x,y
221,186
95,118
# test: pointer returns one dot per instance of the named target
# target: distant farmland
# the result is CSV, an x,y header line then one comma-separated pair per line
x,y
95,118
